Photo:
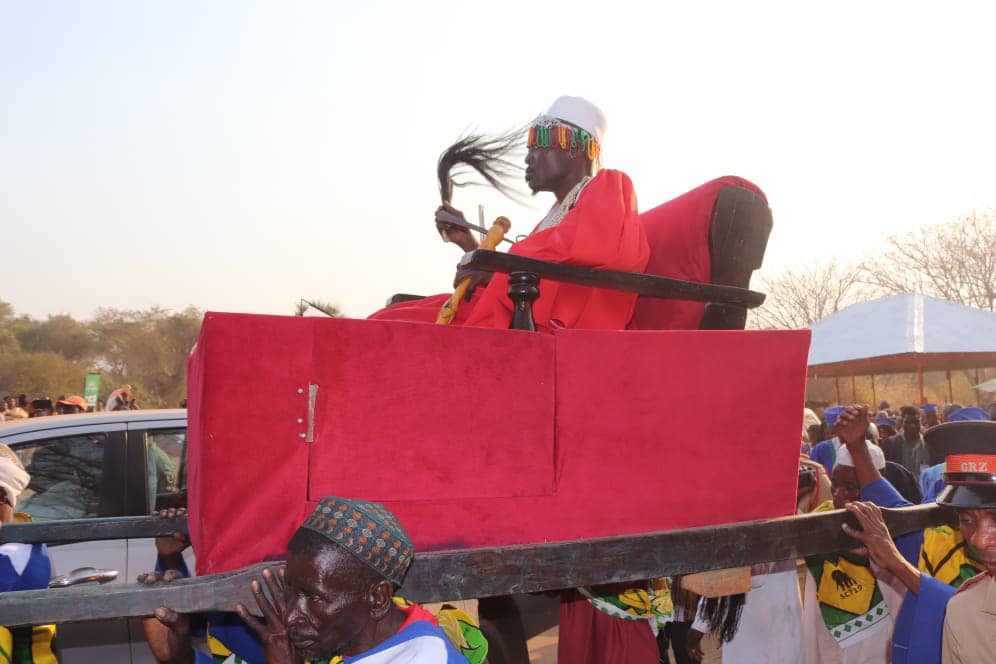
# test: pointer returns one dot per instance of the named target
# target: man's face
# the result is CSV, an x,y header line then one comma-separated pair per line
x,y
547,169
325,613
930,419
911,426
979,529
844,486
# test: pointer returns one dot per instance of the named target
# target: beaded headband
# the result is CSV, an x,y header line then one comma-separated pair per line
x,y
565,137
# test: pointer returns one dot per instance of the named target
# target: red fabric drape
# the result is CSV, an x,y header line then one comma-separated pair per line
x,y
678,233
588,636
549,437
602,230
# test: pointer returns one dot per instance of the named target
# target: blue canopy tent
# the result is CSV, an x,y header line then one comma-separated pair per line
x,y
909,333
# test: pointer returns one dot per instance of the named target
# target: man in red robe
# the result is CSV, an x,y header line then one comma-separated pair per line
x,y
593,223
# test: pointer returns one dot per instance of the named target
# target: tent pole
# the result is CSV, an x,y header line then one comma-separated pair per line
x,y
950,398
874,394
836,383
919,375
854,390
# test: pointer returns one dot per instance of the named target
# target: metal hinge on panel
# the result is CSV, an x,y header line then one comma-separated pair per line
x,y
312,397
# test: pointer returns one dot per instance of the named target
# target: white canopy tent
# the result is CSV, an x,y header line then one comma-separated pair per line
x,y
909,333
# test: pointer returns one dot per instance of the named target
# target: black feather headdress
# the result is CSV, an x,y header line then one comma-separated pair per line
x,y
490,156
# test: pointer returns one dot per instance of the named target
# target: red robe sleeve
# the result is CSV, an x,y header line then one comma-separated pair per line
x,y
602,230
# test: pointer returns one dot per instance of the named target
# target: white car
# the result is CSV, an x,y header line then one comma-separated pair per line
x,y
123,463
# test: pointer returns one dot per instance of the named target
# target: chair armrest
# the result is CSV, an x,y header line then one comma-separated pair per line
x,y
647,285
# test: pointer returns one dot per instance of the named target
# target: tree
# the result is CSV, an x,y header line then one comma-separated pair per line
x,y
59,334
799,297
8,337
954,261
40,374
148,350
326,308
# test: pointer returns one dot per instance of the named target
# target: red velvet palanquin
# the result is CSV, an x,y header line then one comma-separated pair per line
x,y
481,437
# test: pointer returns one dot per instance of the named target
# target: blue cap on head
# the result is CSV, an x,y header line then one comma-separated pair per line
x,y
831,415
882,419
968,414
929,408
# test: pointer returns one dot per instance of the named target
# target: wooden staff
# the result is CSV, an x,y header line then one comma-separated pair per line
x,y
495,235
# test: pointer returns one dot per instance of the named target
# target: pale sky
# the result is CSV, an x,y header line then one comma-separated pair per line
x,y
238,156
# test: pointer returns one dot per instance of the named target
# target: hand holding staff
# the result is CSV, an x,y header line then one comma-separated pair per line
x,y
495,235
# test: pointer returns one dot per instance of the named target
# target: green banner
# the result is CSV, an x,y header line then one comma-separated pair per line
x,y
90,390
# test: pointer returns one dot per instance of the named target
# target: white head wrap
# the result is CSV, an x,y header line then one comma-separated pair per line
x,y
580,113
809,418
13,477
877,455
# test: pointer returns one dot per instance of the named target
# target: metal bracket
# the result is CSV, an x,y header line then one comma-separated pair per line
x,y
312,398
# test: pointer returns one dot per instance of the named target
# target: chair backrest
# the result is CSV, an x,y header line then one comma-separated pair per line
x,y
715,233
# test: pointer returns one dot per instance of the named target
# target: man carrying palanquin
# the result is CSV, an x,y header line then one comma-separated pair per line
x,y
594,222
22,567
848,613
969,628
334,601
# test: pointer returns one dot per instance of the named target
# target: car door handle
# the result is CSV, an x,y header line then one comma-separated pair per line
x,y
83,575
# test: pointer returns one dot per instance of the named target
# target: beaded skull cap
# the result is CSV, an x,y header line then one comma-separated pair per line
x,y
367,530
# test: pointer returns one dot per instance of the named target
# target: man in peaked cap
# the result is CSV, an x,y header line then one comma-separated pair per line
x,y
594,222
931,417
932,478
970,624
335,597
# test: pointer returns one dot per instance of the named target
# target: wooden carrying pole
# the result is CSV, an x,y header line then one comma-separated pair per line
x,y
495,235
468,573
89,530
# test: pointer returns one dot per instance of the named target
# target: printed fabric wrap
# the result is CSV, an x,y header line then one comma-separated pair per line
x,y
220,652
27,645
653,603
947,557
462,631
851,602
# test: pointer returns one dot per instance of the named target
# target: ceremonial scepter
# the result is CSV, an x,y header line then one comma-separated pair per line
x,y
494,236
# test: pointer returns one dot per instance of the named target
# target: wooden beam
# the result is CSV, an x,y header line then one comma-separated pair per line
x,y
452,575
630,282
81,530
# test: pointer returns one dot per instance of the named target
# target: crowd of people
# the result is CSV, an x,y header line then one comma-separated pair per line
x,y
883,602
19,406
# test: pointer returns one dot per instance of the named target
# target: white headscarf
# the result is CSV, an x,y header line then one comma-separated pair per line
x,y
13,478
579,112
877,455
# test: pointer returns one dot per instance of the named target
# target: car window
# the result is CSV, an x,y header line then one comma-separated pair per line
x,y
166,468
66,476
